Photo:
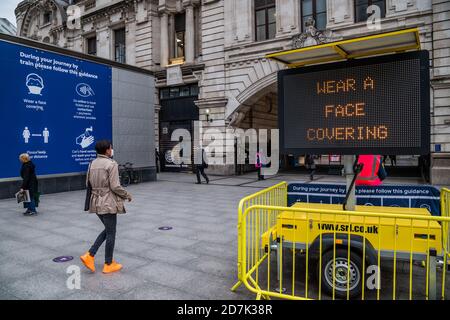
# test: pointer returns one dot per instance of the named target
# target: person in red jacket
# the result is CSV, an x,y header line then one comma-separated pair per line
x,y
369,174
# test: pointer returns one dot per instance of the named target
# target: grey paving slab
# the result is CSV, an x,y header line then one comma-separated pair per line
x,y
40,286
167,274
220,267
31,254
173,256
111,285
154,291
172,241
11,270
216,288
55,241
87,295
208,250
4,295
233,181
10,245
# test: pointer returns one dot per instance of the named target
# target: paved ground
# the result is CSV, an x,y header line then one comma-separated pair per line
x,y
194,260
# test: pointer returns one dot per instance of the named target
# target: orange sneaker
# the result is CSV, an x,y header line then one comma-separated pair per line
x,y
113,267
88,261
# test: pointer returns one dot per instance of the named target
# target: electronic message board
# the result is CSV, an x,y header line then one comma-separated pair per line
x,y
377,105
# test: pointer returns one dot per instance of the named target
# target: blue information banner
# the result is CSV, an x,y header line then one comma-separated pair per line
x,y
53,107
404,196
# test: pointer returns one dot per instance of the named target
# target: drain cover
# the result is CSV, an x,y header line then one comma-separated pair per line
x,y
63,259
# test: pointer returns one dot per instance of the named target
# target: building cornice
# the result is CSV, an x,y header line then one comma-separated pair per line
x,y
107,10
186,70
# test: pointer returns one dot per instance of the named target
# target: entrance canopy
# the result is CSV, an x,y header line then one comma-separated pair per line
x,y
384,43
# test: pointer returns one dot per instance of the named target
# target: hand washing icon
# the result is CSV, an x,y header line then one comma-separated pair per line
x,y
34,83
86,139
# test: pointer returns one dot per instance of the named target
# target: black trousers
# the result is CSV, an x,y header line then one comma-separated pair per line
x,y
109,234
201,170
260,175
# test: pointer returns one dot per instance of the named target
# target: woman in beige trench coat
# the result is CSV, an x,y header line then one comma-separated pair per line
x,y
107,200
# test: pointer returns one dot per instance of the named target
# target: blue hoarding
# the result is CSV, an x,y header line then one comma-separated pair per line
x,y
406,196
53,107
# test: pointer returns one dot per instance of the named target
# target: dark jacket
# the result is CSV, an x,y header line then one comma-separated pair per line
x,y
204,164
310,161
28,174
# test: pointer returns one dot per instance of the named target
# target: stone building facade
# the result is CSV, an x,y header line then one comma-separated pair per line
x,y
209,55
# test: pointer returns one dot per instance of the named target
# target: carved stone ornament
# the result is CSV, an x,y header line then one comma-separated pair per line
x,y
311,36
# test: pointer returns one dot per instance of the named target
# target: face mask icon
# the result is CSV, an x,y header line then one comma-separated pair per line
x,y
34,83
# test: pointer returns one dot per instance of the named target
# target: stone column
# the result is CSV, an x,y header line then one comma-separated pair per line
x,y
172,42
164,40
190,35
440,81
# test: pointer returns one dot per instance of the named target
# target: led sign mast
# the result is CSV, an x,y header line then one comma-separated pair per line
x,y
377,103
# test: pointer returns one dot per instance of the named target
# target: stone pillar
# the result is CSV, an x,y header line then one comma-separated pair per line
x,y
440,81
164,40
190,35
172,42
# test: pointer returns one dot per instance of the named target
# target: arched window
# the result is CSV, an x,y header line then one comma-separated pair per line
x,y
362,5
316,9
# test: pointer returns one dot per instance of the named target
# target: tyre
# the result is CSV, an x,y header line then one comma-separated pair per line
x,y
125,180
137,177
341,271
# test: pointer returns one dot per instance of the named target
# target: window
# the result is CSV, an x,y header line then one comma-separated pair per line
x,y
47,17
362,5
265,19
180,32
179,92
316,9
91,45
89,4
119,45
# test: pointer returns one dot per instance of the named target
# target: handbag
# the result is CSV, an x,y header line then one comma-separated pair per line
x,y
382,174
87,201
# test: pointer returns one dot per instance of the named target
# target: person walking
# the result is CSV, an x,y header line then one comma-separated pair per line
x,y
260,162
157,161
393,159
107,201
30,183
310,164
200,168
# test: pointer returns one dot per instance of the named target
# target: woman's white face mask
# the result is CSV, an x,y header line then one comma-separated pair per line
x,y
112,153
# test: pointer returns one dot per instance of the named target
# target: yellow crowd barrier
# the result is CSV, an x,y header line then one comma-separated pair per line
x,y
312,251
445,212
275,195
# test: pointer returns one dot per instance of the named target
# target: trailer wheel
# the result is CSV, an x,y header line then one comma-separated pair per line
x,y
346,276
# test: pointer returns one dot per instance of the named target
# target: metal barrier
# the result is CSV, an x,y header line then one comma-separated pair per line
x,y
274,196
445,212
333,254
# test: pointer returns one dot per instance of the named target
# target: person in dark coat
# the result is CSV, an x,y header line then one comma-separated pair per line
x,y
157,161
200,168
30,183
310,163
260,162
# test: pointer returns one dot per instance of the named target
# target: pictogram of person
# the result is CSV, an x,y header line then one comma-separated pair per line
x,y
46,135
26,135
